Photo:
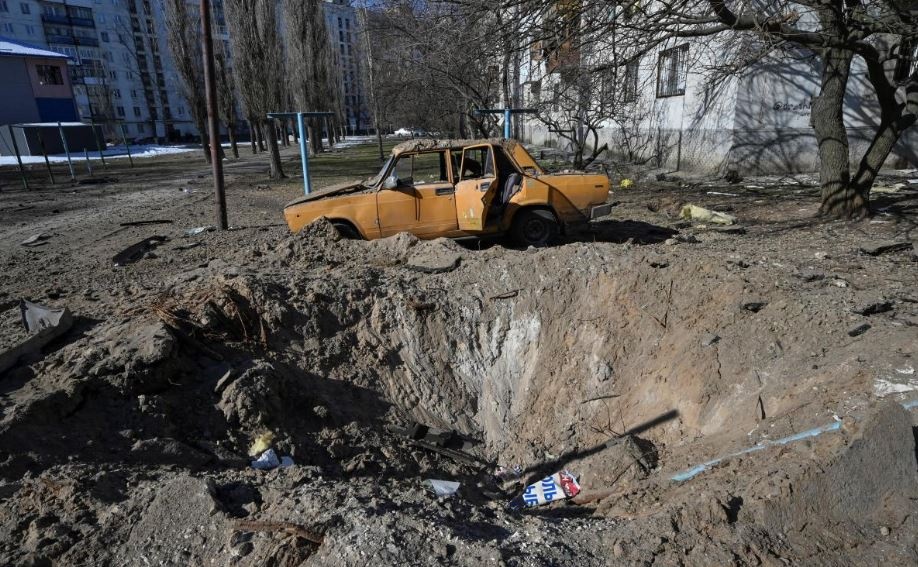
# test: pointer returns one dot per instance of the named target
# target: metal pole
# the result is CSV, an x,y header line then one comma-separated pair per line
x,y
210,87
66,151
25,181
41,144
95,135
88,165
126,145
304,153
507,123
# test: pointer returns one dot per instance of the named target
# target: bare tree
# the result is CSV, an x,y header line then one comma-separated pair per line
x,y
309,63
184,29
874,38
433,65
258,66
226,96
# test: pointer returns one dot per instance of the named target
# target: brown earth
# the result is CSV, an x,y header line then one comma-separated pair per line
x,y
126,441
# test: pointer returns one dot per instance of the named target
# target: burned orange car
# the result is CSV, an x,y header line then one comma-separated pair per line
x,y
457,188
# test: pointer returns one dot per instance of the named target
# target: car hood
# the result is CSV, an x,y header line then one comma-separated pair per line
x,y
330,191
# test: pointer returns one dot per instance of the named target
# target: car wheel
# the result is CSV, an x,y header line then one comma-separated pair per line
x,y
535,228
346,230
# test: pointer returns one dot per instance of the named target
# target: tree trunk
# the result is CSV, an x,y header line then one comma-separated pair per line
x,y
252,135
840,198
231,132
261,139
318,139
277,170
310,136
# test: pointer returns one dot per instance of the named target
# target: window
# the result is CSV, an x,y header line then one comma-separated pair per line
x,y
104,36
113,74
419,169
3,6
477,162
535,92
100,18
8,28
630,86
49,75
137,111
30,30
120,111
26,9
671,72
140,128
133,93
116,93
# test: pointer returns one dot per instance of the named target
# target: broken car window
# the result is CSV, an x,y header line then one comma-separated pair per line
x,y
477,162
418,169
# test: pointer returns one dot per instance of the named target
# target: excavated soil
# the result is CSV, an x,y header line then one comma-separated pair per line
x,y
126,441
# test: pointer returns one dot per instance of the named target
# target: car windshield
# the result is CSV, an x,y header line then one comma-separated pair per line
x,y
374,181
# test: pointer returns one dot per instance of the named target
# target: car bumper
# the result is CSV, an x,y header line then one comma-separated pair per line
x,y
600,211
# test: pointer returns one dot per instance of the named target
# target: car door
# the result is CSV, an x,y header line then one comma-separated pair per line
x,y
396,205
433,185
476,187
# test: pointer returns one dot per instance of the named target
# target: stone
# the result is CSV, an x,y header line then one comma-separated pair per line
x,y
878,248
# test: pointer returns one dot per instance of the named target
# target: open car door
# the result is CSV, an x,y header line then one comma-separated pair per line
x,y
478,183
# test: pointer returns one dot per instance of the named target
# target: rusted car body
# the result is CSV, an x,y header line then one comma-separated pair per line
x,y
458,188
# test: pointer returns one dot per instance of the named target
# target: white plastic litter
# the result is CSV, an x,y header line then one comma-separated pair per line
x,y
442,487
268,460
198,230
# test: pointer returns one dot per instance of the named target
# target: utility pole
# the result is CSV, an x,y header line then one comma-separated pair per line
x,y
213,128
507,112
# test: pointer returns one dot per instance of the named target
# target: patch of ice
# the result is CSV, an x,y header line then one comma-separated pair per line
x,y
113,152
883,388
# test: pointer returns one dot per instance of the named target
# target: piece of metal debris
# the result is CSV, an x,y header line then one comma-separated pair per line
x,y
44,323
35,240
137,251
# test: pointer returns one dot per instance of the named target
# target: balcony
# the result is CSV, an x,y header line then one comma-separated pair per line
x,y
66,39
68,20
55,19
82,22
83,40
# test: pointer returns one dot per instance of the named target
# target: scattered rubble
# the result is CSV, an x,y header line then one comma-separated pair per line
x,y
378,366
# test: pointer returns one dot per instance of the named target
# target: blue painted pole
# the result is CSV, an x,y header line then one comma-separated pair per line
x,y
304,154
507,123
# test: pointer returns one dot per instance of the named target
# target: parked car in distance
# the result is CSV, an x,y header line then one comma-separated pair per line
x,y
458,188
402,132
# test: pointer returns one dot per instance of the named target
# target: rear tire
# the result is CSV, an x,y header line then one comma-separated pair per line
x,y
346,230
535,227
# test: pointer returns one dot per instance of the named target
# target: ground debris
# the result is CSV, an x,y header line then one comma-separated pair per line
x,y
885,247
295,530
138,250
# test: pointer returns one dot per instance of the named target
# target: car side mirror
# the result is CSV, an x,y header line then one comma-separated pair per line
x,y
391,182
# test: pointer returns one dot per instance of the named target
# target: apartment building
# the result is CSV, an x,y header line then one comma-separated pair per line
x,y
121,68
345,36
667,111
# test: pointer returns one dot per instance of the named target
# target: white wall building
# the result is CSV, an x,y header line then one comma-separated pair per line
x,y
756,122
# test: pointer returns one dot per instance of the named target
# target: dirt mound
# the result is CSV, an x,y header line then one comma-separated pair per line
x,y
321,344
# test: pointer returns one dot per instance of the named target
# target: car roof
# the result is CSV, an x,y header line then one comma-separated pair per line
x,y
429,144
513,148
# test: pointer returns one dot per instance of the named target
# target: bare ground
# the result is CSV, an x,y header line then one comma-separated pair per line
x,y
125,441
